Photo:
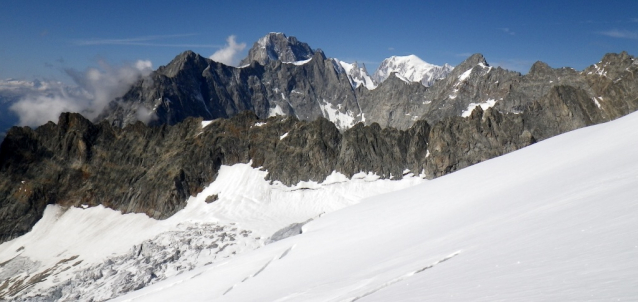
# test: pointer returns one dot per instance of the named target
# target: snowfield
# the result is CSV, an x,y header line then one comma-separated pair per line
x,y
555,221
97,253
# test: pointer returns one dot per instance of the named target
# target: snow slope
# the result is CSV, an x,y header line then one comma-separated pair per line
x,y
411,68
97,253
555,221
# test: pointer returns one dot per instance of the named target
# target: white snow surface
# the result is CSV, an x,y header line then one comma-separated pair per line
x,y
465,75
206,123
555,221
299,63
343,120
412,68
358,75
276,111
487,104
104,246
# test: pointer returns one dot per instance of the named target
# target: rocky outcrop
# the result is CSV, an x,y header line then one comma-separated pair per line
x,y
76,162
394,103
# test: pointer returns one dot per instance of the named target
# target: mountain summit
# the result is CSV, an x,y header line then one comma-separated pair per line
x,y
277,46
412,68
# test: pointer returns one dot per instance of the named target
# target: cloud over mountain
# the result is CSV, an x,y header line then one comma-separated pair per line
x,y
96,87
228,53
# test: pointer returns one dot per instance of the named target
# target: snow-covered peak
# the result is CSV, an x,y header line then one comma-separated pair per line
x,y
278,46
411,68
264,41
358,75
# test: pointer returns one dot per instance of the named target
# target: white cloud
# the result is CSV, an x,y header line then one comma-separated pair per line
x,y
36,110
96,87
228,53
145,115
508,31
623,34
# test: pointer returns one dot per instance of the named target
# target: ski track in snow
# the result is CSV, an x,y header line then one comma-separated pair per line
x,y
284,254
404,277
551,222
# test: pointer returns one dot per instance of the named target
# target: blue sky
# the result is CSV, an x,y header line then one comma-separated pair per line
x,y
42,38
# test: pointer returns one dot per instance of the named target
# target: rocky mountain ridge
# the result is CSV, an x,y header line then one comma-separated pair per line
x,y
191,85
284,77
153,170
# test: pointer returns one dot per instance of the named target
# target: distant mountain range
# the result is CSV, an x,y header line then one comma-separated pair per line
x,y
281,76
306,84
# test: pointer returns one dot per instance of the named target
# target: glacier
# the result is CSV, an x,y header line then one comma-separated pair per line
x,y
554,222
98,253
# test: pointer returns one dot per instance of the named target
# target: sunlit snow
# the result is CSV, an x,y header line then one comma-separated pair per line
x,y
487,104
357,75
275,111
343,120
206,123
555,221
298,63
412,69
97,238
465,75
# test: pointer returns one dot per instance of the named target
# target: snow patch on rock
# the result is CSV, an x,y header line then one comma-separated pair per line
x,y
487,104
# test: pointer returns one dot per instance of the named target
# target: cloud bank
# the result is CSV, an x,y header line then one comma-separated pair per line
x,y
228,53
96,87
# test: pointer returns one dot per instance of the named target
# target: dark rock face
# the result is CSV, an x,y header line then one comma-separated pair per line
x,y
153,170
394,103
193,86
277,47
77,162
